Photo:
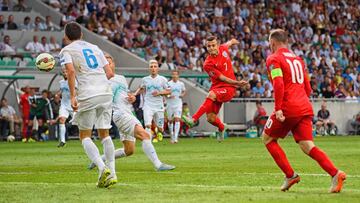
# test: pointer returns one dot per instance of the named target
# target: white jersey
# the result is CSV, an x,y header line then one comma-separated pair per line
x,y
120,91
176,89
159,83
88,61
65,93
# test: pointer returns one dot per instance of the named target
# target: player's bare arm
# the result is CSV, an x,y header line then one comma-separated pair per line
x,y
131,98
233,82
162,93
232,42
71,81
140,90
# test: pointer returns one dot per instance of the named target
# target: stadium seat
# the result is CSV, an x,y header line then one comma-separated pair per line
x,y
11,63
31,63
2,63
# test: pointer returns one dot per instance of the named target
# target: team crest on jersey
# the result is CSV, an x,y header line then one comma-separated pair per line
x,y
225,54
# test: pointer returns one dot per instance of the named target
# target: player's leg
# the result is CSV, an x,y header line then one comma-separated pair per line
x,y
176,128
149,149
170,115
274,130
204,108
25,128
63,115
148,117
103,124
159,118
303,136
85,121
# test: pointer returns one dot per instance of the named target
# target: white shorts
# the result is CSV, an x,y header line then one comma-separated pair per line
x,y
156,114
94,111
126,123
174,111
65,112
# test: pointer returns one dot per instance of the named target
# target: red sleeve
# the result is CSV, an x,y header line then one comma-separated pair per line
x,y
213,73
225,47
307,87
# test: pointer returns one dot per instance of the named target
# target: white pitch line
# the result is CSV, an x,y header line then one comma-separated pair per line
x,y
176,173
142,185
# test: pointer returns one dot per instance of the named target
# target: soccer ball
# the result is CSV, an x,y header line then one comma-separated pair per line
x,y
10,138
45,62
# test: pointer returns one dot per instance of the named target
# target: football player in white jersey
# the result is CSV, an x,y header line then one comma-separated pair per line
x,y
65,108
86,63
129,126
155,87
174,105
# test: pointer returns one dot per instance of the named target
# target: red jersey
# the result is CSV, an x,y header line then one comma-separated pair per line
x,y
219,65
291,83
24,102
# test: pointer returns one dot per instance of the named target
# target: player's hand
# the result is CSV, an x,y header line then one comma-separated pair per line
x,y
155,93
279,116
131,98
173,97
242,83
74,104
235,42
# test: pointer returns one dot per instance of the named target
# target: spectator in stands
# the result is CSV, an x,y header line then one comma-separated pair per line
x,y
20,6
11,25
55,4
38,25
48,25
355,123
4,5
24,106
340,92
68,17
6,47
26,25
44,45
328,93
323,117
53,45
34,46
7,118
2,22
258,88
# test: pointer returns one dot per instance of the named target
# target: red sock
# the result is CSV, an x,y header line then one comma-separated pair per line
x,y
204,108
323,160
218,124
279,157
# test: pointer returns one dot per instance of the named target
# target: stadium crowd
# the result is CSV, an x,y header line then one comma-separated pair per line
x,y
325,33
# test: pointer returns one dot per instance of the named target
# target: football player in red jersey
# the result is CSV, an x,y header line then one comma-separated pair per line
x,y
219,68
293,112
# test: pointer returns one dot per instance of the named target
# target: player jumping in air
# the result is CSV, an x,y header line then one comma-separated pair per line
x,y
87,64
155,87
293,112
223,83
174,105
129,126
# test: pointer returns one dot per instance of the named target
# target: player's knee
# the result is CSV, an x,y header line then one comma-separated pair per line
x,y
62,120
266,139
177,119
129,151
210,118
212,95
141,134
306,146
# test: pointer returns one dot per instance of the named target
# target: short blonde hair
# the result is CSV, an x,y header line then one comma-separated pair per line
x,y
153,61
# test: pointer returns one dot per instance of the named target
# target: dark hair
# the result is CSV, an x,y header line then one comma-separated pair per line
x,y
211,38
73,31
44,91
279,35
258,102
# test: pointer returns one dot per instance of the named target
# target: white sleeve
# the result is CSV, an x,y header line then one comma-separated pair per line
x,y
165,83
65,58
142,84
102,58
183,86
28,46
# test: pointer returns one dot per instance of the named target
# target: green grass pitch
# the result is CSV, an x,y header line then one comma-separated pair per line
x,y
237,170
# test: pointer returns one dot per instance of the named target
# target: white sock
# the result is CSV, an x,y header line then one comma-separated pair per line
x,y
177,130
109,152
150,152
148,130
62,132
119,153
93,153
171,129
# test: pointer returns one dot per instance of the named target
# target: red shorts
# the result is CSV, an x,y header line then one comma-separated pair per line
x,y
224,94
301,127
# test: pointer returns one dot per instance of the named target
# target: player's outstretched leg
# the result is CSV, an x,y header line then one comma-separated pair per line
x,y
206,107
119,153
93,153
215,121
149,149
281,160
338,177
